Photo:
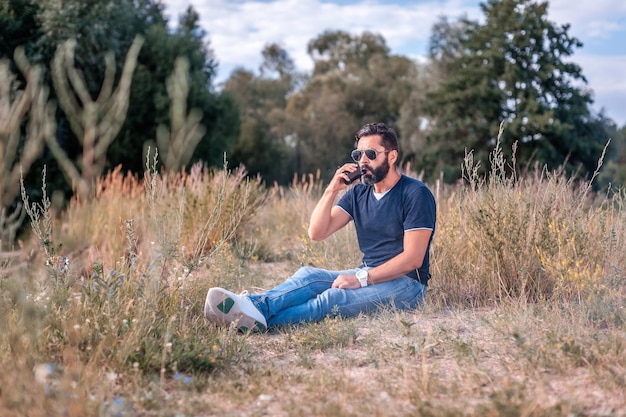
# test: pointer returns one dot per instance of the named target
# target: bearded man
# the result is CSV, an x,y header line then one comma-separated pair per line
x,y
394,217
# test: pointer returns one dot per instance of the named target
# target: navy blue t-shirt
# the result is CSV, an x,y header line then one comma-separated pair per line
x,y
380,224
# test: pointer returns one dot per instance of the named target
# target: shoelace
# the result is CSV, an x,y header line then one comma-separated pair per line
x,y
245,293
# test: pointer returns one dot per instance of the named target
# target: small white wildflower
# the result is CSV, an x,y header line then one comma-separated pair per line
x,y
265,397
43,371
77,326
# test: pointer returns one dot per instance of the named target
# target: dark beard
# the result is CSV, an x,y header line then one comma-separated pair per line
x,y
377,175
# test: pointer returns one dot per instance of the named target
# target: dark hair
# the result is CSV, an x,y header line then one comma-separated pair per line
x,y
388,135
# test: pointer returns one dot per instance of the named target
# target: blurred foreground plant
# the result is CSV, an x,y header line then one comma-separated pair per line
x,y
95,123
133,308
17,153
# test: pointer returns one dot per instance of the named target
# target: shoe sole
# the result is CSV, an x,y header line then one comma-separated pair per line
x,y
229,313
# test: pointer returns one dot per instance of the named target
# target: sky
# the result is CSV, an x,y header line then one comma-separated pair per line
x,y
237,31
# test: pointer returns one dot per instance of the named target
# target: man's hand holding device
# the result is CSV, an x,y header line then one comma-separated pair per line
x,y
353,175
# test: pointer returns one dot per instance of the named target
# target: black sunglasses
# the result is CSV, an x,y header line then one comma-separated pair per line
x,y
370,153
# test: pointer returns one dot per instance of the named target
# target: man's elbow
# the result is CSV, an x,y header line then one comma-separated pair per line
x,y
315,234
416,263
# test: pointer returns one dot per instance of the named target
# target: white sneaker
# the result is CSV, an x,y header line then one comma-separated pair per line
x,y
223,308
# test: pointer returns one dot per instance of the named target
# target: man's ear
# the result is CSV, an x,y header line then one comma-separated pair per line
x,y
393,156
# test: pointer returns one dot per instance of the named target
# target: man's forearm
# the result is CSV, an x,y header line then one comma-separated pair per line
x,y
320,218
393,268
415,247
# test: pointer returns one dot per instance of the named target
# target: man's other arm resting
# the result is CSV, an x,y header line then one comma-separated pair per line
x,y
415,246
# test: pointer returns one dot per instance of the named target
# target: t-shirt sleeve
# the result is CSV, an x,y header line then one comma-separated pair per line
x,y
420,209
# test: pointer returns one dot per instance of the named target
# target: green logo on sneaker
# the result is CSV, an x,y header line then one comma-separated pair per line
x,y
226,305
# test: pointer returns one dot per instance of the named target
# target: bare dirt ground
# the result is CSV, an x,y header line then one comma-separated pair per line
x,y
487,362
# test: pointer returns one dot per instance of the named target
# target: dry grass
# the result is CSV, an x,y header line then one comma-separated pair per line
x,y
525,315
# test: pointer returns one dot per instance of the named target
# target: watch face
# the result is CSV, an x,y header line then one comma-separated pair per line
x,y
361,274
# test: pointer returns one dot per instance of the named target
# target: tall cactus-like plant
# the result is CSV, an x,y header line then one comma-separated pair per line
x,y
95,123
177,144
18,151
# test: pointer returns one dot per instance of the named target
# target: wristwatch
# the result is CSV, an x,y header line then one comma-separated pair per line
x,y
361,275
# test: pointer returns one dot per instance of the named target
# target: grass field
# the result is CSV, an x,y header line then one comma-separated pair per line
x,y
102,302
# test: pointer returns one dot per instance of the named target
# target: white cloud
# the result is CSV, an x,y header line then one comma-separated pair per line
x,y
605,76
239,30
590,19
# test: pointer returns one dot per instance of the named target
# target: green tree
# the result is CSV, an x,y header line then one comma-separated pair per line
x,y
263,145
110,26
150,101
412,122
355,81
338,51
20,143
613,172
99,28
18,26
95,123
513,68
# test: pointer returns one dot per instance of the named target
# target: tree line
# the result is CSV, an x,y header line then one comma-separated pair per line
x,y
100,83
513,68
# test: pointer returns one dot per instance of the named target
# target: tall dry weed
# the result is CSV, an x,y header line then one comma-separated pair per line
x,y
543,236
289,219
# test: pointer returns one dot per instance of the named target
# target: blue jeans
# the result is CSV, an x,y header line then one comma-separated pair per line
x,y
307,296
